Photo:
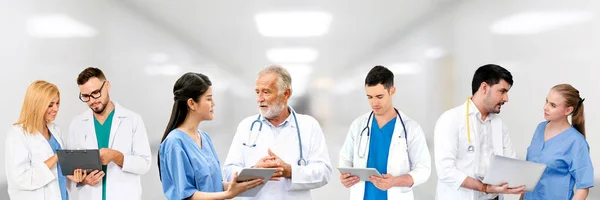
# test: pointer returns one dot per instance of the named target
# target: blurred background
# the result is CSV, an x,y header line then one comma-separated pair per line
x,y
433,47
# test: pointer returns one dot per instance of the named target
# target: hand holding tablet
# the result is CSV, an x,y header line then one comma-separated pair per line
x,y
362,173
249,174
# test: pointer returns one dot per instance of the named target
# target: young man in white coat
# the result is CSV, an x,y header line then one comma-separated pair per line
x,y
119,134
387,140
280,138
467,136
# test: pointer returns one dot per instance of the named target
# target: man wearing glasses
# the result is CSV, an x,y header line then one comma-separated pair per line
x,y
120,136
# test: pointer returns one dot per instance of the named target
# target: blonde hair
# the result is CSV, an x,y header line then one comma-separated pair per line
x,y
38,96
573,99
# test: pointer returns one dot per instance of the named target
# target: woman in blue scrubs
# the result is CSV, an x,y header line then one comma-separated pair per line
x,y
188,164
562,147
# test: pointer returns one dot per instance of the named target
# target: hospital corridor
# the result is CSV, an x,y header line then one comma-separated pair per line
x,y
432,47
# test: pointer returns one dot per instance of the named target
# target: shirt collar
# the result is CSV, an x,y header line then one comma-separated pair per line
x,y
473,110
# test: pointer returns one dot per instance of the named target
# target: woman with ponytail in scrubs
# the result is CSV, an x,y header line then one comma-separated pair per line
x,y
188,164
562,147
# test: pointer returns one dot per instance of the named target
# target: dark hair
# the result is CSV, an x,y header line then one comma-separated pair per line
x,y
189,86
380,75
573,99
88,73
490,74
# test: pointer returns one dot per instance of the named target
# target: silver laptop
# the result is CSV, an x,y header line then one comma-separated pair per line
x,y
514,172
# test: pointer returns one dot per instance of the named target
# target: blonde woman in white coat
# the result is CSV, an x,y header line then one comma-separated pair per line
x,y
32,168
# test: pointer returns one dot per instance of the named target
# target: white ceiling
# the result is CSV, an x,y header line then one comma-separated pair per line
x,y
225,31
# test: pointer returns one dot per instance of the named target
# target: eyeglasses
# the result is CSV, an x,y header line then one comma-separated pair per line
x,y
95,94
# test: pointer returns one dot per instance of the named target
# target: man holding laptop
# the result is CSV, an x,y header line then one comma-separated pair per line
x,y
387,140
468,136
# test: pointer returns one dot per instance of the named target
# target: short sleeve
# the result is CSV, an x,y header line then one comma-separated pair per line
x,y
581,165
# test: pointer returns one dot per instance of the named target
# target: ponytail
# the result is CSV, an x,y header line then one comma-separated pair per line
x,y
189,86
578,119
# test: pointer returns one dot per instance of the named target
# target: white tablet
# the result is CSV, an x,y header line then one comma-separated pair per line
x,y
362,173
514,172
254,173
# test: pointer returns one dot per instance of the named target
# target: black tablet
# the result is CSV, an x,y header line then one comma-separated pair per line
x,y
86,159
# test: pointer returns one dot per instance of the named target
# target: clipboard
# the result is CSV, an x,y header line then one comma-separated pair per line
x,y
85,159
254,173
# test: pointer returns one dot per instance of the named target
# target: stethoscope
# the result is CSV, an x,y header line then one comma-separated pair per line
x,y
471,148
301,161
364,151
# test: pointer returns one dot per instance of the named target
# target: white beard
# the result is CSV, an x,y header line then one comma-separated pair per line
x,y
272,111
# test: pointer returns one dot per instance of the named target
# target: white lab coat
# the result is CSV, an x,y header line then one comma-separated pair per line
x,y
452,159
398,163
28,177
127,135
304,178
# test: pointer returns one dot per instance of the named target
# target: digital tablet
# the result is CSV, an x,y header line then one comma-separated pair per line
x,y
248,174
514,172
86,159
362,173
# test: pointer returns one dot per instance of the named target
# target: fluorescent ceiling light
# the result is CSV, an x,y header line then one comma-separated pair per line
x,y
405,68
167,69
537,22
292,55
293,23
58,26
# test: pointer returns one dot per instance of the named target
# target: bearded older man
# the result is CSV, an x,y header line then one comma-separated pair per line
x,y
280,138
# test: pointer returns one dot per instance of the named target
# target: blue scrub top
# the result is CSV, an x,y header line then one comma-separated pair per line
x,y
567,156
62,180
185,168
379,150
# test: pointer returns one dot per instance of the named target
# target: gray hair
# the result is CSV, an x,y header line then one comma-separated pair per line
x,y
284,80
